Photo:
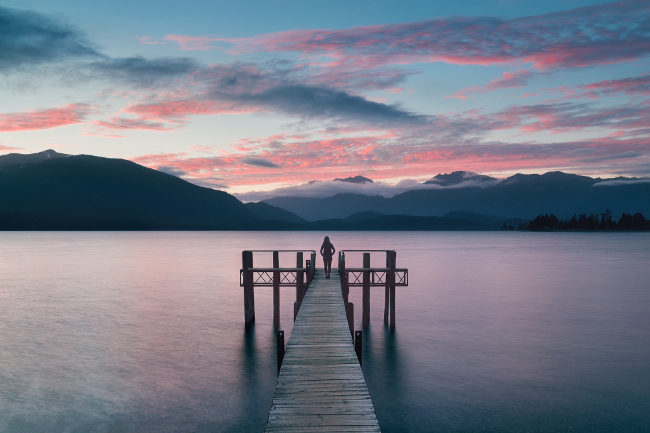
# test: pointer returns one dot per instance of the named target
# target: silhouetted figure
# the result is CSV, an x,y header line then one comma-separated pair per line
x,y
327,250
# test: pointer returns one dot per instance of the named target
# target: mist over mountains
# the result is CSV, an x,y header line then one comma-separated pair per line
x,y
356,179
458,177
519,196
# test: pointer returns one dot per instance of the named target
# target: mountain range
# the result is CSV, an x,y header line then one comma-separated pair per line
x,y
54,191
520,196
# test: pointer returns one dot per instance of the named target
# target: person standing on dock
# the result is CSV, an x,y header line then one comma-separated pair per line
x,y
327,250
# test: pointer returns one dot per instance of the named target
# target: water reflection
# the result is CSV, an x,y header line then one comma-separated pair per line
x,y
142,332
384,373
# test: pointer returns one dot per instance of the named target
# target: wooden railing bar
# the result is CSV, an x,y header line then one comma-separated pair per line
x,y
275,269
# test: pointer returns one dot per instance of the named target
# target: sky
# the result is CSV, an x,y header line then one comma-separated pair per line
x,y
258,97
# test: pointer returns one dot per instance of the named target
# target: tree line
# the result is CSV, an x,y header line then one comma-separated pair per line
x,y
584,222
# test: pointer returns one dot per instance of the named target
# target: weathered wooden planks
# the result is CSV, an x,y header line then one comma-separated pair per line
x,y
321,385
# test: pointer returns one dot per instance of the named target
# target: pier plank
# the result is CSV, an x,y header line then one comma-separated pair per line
x,y
321,386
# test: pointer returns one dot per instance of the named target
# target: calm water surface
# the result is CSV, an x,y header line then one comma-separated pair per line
x,y
502,332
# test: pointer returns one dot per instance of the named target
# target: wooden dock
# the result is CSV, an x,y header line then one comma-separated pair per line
x,y
320,385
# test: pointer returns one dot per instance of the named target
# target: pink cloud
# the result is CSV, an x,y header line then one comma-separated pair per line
x,y
593,35
191,43
202,149
46,118
564,117
508,80
148,40
180,109
122,123
437,143
630,86
4,148
449,143
326,159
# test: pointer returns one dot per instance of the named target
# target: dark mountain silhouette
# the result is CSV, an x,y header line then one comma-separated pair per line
x,y
338,206
473,216
400,223
356,179
458,177
363,216
264,211
88,192
481,218
19,158
519,196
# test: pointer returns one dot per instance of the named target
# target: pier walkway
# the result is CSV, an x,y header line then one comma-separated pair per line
x,y
321,385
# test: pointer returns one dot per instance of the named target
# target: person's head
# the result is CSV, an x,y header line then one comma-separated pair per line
x,y
326,240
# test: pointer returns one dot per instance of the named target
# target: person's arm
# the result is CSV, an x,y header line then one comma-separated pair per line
x,y
322,250
333,249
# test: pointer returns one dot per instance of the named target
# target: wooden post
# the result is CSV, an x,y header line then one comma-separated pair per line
x,y
358,345
349,312
387,290
276,290
249,293
343,278
299,278
296,307
366,292
391,279
346,282
313,264
280,348
308,267
339,263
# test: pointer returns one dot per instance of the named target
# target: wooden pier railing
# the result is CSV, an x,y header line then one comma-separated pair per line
x,y
367,277
320,382
249,277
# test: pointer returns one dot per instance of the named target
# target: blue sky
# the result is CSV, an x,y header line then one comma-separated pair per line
x,y
255,95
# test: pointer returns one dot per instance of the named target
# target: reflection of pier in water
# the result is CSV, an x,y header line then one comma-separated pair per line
x,y
320,381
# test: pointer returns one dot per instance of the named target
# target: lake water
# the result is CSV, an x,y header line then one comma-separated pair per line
x,y
501,332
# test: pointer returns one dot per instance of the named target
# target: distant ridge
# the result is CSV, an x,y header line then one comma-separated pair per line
x,y
356,179
264,211
458,177
19,158
363,216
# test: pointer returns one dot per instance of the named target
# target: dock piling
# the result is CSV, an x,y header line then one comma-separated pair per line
x,y
387,290
366,291
276,290
249,294
349,313
280,348
338,264
345,289
299,279
358,345
391,279
308,267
